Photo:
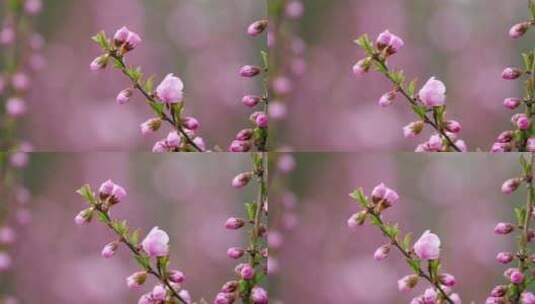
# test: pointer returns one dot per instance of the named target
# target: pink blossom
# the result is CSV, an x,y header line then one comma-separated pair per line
x,y
504,257
7,235
530,144
16,107
99,63
504,228
390,42
361,67
249,71
109,250
453,126
33,7
176,276
136,280
261,120
381,253
150,126
109,190
235,252
387,99
246,271
259,295
251,100
156,243
510,185
519,29
240,146
5,261
170,90
511,73
427,247
447,279
407,282
412,129
84,216
124,96
125,37
433,93
190,123
512,102
527,298
256,28
173,140
241,179
21,81
234,223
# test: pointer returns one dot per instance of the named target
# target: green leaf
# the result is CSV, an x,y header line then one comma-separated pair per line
x,y
134,237
359,196
265,59
86,192
532,8
406,243
434,268
102,40
520,214
414,265
392,231
365,43
397,77
149,84
143,261
411,89
419,110
251,210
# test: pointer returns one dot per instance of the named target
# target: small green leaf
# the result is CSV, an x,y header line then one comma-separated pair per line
x,y
411,89
251,210
359,196
143,261
102,41
365,43
532,8
406,243
86,192
265,59
419,110
414,265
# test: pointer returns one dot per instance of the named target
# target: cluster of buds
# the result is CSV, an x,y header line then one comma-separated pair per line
x,y
249,273
519,276
425,249
152,253
521,137
429,103
166,100
256,136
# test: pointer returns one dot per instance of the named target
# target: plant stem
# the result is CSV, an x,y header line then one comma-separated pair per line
x,y
413,102
408,255
151,99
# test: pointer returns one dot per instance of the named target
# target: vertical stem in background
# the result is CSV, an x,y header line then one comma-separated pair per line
x,y
524,254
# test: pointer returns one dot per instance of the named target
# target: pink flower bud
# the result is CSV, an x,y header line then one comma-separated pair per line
x,y
16,107
505,137
514,275
512,102
427,247
499,291
453,126
230,286
7,35
190,123
383,40
109,250
511,73
390,42
381,253
240,146
504,257
447,279
7,236
249,71
433,93
21,81
251,100
245,134
170,90
519,29
235,252
124,96
176,276
150,126
261,120
136,280
357,219
256,28
412,129
361,67
184,294
224,298
510,185
156,243
159,147
99,63
407,282
84,216
530,144
294,9
173,140
125,37
241,179
527,298
504,228
33,7
259,295
199,141
111,191
246,271
234,223
158,293
387,99
5,261
521,121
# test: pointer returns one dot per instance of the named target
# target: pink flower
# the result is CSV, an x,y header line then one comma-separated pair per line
x,y
361,67
245,134
251,100
383,193
99,63
235,252
433,93
527,298
510,185
249,71
16,107
387,99
407,282
109,250
150,126
170,90
512,102
519,29
504,257
390,42
33,7
176,276
240,146
256,28
84,216
259,295
224,298
514,275
246,271
125,37
233,223
124,96
453,126
7,235
136,280
447,279
159,147
190,123
156,243
381,253
111,191
504,228
5,261
173,140
261,120
511,73
412,129
241,179
199,141
294,9
427,247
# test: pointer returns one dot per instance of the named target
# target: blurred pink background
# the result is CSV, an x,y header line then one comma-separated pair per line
x,y
203,42
457,197
464,43
190,197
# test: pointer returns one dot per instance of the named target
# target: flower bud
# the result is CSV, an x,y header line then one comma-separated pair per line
x,y
109,250
230,286
521,121
241,179
176,276
224,298
427,247
124,96
234,223
361,67
126,38
530,144
151,125
412,129
381,253
510,185
499,291
261,120
259,295
245,134
235,252
453,126
504,257
387,99
249,71
527,298
251,100
99,63
514,275
357,219
511,73
84,216
505,137
257,27
246,271
240,146
504,228
190,123
16,107
136,280
408,282
447,279
519,29
512,102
